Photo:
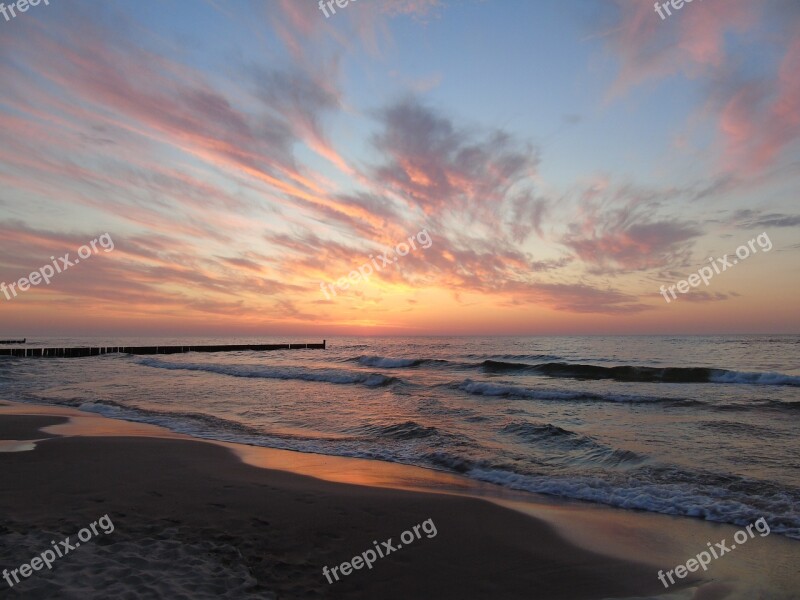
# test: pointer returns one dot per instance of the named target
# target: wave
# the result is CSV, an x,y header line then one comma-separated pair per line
x,y
779,405
722,376
482,388
498,366
629,373
688,498
550,357
265,372
382,362
533,432
410,430
571,447
660,490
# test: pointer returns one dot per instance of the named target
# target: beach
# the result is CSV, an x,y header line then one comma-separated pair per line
x,y
693,427
197,519
399,299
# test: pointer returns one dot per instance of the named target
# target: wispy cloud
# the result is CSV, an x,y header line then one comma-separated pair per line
x,y
758,116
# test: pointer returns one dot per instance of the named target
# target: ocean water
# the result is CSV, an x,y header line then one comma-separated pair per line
x,y
703,427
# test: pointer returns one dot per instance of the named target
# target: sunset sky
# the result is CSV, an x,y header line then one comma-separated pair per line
x,y
567,158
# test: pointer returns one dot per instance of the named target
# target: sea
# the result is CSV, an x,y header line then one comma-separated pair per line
x,y
702,427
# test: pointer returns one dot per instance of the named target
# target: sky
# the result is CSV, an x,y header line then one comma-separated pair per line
x,y
258,167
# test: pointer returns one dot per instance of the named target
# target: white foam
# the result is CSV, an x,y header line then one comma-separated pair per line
x,y
673,499
755,378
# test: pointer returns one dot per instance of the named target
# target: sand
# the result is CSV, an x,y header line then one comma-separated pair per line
x,y
193,520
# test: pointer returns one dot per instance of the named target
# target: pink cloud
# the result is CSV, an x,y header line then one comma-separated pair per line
x,y
616,229
438,166
757,119
690,42
763,118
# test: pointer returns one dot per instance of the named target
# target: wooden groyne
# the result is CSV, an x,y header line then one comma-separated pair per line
x,y
97,351
13,341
